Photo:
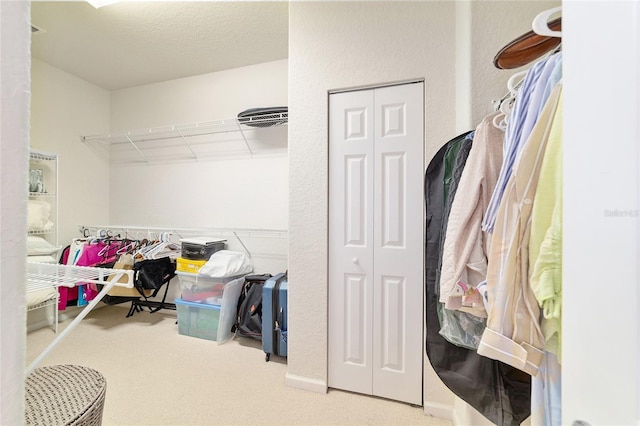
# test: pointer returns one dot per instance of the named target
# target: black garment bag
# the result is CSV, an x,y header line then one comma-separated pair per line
x,y
498,391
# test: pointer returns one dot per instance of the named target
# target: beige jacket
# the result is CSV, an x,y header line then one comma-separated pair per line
x,y
464,256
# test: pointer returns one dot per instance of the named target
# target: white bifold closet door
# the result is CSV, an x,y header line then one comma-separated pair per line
x,y
376,241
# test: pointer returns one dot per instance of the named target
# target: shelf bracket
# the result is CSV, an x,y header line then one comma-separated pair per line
x,y
244,138
195,156
235,234
137,149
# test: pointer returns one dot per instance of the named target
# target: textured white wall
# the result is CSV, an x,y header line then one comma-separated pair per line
x,y
63,107
14,141
482,29
493,25
203,97
334,46
231,193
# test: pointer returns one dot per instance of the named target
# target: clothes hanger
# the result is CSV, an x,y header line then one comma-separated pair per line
x,y
112,245
505,104
544,37
101,235
500,121
161,246
515,81
164,248
127,246
541,24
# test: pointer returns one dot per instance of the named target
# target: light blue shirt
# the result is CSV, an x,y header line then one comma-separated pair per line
x,y
554,78
529,102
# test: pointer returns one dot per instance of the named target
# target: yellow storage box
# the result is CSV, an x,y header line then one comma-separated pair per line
x,y
189,265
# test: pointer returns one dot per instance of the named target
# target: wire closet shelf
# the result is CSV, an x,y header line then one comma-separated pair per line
x,y
148,142
46,275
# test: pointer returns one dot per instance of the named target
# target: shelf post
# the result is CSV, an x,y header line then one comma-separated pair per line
x,y
195,156
244,138
137,149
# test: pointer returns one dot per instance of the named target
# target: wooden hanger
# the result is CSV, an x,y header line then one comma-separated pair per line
x,y
527,48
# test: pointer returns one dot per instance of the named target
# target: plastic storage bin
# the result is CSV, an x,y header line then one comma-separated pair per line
x,y
201,248
211,322
202,288
198,320
191,266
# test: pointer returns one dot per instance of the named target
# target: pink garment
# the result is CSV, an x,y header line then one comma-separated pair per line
x,y
64,292
95,254
99,253
92,254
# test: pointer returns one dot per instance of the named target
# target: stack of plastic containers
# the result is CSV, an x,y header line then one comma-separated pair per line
x,y
207,307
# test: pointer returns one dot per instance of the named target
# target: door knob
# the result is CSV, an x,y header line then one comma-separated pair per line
x,y
355,260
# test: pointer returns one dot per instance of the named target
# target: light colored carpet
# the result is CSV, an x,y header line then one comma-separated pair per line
x,y
156,376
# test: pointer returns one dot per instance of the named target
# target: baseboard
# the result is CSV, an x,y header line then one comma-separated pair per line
x,y
40,318
37,325
439,410
306,383
72,311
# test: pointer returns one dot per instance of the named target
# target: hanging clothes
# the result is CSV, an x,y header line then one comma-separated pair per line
x,y
522,119
454,159
546,390
65,293
82,252
513,334
466,245
545,242
545,277
460,328
69,256
435,192
499,392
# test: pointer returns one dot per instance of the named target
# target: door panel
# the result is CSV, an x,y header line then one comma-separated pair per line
x,y
355,200
392,324
355,290
393,118
350,241
398,241
392,197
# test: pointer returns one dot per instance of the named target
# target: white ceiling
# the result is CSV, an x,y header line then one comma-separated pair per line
x,y
134,43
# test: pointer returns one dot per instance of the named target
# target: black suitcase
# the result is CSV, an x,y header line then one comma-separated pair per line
x,y
249,310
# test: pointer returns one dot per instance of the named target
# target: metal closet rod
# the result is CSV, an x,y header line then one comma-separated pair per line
x,y
215,232
237,233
